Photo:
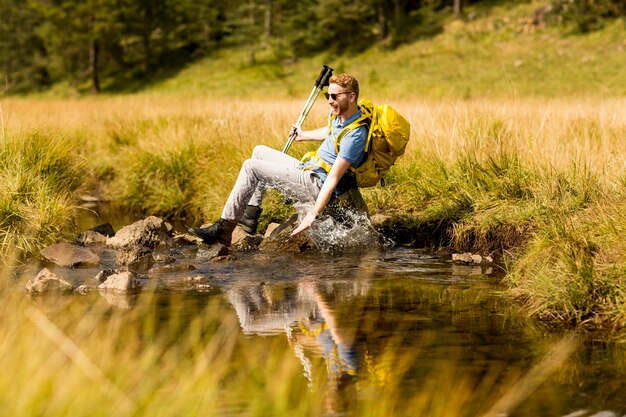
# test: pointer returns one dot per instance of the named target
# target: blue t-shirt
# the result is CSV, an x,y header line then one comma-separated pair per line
x,y
351,146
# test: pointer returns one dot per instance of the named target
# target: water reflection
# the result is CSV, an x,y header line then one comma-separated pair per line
x,y
369,318
410,328
419,326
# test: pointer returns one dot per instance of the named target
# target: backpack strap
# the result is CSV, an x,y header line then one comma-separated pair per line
x,y
319,161
363,120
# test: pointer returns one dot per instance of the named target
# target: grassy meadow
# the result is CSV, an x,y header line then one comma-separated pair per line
x,y
517,151
539,183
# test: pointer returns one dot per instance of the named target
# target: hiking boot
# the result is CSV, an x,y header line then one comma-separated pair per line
x,y
250,220
221,231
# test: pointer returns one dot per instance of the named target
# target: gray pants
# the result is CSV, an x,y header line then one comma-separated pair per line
x,y
269,168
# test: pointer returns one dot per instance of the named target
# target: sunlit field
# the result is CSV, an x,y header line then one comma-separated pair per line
x,y
538,183
517,151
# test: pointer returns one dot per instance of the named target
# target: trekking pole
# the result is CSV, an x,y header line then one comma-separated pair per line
x,y
322,81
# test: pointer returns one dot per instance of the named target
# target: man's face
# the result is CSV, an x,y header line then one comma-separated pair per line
x,y
339,99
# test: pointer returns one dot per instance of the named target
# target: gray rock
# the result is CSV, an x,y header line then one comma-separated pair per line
x,y
380,220
477,259
137,259
123,282
248,243
463,258
212,251
270,229
150,232
104,229
68,255
186,239
280,240
103,275
90,237
164,258
471,259
47,282
239,235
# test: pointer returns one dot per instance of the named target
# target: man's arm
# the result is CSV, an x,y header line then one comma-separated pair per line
x,y
339,168
316,134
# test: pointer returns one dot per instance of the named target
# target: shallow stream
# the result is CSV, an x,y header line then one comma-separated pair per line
x,y
448,326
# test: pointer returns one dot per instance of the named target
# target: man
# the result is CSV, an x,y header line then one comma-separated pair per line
x,y
313,181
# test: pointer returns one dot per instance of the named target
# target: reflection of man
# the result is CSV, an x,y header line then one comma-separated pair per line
x,y
261,313
305,316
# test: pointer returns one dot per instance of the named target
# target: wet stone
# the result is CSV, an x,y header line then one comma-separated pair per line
x,y
68,255
47,282
121,283
89,237
186,239
104,229
212,251
471,259
270,229
138,259
150,232
249,243
239,235
224,258
280,240
103,275
164,259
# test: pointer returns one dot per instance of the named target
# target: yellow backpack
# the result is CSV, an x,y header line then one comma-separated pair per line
x,y
387,139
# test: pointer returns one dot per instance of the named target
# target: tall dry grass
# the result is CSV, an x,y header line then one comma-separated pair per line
x,y
489,174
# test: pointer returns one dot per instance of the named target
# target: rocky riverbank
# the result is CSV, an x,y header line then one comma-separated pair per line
x,y
150,247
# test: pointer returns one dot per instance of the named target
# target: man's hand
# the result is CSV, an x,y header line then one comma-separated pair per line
x,y
295,130
316,134
305,223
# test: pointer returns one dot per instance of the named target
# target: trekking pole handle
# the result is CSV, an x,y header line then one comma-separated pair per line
x,y
325,74
326,78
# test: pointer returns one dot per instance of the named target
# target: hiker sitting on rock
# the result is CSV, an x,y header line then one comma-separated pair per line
x,y
314,181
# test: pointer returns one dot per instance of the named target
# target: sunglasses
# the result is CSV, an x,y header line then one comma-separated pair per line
x,y
334,95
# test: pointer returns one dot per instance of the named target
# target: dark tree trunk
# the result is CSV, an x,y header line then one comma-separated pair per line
x,y
382,23
94,70
458,8
251,37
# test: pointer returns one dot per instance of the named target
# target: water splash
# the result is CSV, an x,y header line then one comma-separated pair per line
x,y
352,232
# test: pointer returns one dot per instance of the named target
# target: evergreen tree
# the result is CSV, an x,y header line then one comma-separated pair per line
x,y
23,64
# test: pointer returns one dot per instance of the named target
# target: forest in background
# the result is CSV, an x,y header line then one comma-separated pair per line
x,y
106,45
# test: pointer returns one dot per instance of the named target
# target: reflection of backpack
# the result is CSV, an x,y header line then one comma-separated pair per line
x,y
388,135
